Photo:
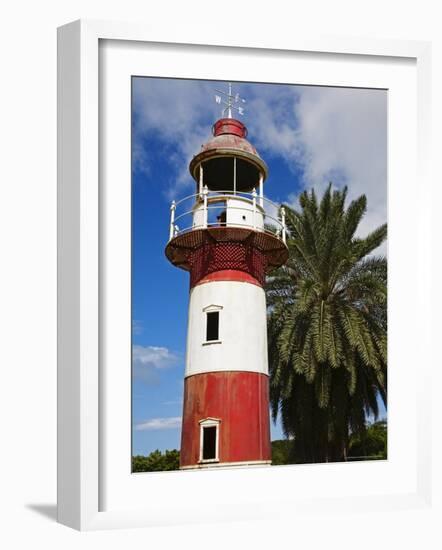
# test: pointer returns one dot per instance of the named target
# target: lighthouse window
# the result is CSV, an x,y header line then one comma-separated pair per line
x,y
209,442
212,330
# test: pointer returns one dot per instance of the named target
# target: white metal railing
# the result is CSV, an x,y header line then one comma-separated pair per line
x,y
198,211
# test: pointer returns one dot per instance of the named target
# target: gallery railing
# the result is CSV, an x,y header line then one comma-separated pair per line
x,y
227,209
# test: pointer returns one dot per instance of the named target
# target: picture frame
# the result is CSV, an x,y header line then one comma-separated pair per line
x,y
80,294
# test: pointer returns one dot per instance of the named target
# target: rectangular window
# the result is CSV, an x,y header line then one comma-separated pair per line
x,y
209,442
212,331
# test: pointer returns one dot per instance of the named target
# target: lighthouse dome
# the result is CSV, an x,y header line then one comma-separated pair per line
x,y
229,141
228,155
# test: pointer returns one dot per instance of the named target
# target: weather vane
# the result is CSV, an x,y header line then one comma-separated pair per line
x,y
230,101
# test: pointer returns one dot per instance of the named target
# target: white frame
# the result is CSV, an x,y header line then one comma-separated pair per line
x,y
209,423
78,260
212,309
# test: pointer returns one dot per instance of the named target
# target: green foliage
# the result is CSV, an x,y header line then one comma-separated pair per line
x,y
281,452
327,327
370,444
156,461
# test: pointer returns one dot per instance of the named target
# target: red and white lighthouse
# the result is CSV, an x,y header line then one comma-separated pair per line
x,y
228,236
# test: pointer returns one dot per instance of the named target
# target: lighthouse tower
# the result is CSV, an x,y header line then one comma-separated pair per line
x,y
228,236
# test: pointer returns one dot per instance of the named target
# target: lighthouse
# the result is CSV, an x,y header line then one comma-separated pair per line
x,y
228,236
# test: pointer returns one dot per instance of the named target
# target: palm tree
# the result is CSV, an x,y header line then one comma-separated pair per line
x,y
327,327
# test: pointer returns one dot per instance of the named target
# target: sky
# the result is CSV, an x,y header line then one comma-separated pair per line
x,y
308,136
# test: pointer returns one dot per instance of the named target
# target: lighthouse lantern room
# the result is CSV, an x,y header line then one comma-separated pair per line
x,y
228,236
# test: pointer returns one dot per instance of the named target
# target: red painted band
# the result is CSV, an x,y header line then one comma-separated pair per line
x,y
229,275
239,401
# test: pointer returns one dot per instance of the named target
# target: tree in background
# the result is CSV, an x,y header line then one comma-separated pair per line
x,y
281,451
327,327
371,444
156,461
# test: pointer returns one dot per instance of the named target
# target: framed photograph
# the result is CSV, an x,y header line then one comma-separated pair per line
x,y
266,178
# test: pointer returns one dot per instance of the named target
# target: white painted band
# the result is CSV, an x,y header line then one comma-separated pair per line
x,y
242,340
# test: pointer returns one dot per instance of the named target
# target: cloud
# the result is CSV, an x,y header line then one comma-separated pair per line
x,y
273,121
179,113
330,134
147,360
159,424
343,138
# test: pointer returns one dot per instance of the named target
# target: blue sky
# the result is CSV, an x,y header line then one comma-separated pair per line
x,y
307,135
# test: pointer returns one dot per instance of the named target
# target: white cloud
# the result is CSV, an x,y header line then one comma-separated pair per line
x,y
273,122
331,134
180,112
153,356
146,360
343,136
159,424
